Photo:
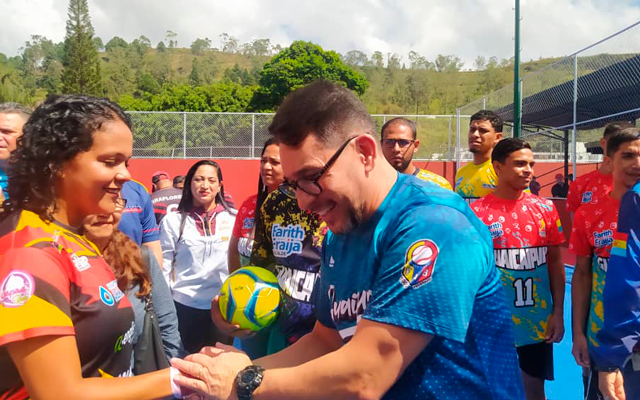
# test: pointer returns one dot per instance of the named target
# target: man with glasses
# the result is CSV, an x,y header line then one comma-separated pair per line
x,y
477,179
408,301
399,144
12,118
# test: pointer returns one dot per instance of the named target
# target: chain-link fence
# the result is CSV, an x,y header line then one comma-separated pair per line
x,y
241,135
566,104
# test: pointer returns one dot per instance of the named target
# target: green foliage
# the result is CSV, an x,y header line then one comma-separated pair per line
x,y
200,45
301,63
82,64
116,42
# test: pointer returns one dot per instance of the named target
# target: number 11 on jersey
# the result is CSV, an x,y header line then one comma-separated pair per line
x,y
524,292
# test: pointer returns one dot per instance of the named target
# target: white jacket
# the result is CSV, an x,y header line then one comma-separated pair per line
x,y
200,265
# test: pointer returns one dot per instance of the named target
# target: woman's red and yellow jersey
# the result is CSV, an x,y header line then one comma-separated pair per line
x,y
54,282
594,226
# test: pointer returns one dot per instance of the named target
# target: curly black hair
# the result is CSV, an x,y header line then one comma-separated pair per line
x,y
57,131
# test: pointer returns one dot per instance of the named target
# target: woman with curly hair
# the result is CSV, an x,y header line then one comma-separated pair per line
x,y
139,276
65,323
194,242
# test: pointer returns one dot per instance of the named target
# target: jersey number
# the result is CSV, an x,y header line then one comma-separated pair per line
x,y
524,292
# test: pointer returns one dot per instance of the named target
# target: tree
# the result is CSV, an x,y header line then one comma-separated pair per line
x,y
448,63
229,43
377,59
194,76
98,42
356,58
116,42
141,45
298,65
161,47
82,64
172,39
416,61
200,45
480,63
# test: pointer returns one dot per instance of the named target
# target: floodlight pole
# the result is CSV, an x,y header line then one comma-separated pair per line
x,y
517,93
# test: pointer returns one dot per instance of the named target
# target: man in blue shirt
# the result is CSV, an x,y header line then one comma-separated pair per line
x,y
409,302
12,118
138,220
619,337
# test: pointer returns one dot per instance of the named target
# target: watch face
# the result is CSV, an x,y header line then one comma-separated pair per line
x,y
248,376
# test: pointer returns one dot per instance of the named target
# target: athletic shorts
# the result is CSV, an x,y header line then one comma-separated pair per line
x,y
537,360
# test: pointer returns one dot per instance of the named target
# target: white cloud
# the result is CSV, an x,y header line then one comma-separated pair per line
x,y
466,28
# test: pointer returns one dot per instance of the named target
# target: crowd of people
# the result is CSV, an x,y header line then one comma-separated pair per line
x,y
395,284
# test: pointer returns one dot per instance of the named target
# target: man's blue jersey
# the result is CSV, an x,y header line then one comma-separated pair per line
x,y
424,262
138,220
620,332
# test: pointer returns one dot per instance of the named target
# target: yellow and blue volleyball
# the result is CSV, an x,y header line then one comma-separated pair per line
x,y
250,297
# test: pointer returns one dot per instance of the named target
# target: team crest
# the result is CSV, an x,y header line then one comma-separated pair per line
x,y
420,260
16,289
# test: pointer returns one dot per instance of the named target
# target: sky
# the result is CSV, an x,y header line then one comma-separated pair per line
x,y
465,28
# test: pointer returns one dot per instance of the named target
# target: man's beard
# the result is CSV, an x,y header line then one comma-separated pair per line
x,y
474,151
403,165
353,219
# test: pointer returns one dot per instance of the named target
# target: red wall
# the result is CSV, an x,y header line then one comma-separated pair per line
x,y
241,176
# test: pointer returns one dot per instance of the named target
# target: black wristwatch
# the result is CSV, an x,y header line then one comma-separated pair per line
x,y
248,380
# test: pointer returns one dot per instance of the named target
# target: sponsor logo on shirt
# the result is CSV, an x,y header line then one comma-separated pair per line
x,y
586,197
349,309
248,223
521,259
296,283
541,228
16,289
287,240
81,263
420,260
331,262
111,294
496,230
124,339
603,239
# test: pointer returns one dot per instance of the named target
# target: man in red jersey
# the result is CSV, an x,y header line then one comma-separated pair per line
x,y
594,227
526,232
597,183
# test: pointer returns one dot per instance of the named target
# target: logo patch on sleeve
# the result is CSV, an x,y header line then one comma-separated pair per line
x,y
420,260
17,288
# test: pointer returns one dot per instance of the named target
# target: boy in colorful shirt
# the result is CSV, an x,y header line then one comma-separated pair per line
x,y
589,187
399,144
592,237
526,232
478,178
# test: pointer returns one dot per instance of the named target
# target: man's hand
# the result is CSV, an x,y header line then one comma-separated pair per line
x,y
225,327
212,372
611,385
555,328
580,350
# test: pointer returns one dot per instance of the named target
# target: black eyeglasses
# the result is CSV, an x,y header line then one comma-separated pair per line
x,y
402,143
311,186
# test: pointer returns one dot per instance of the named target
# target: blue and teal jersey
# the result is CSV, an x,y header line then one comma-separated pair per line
x,y
424,262
620,333
4,183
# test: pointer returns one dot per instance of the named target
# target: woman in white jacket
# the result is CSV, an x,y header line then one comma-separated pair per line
x,y
194,242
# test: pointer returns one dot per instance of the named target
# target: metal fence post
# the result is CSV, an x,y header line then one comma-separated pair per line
x,y
484,103
253,134
574,147
184,135
449,141
457,139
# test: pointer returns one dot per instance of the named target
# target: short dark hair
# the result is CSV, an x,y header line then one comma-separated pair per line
x,y
178,179
507,146
323,109
16,108
618,139
488,115
186,202
58,130
615,127
400,121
